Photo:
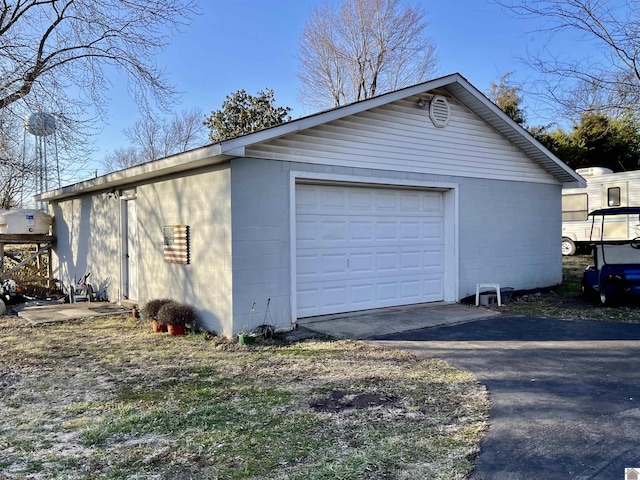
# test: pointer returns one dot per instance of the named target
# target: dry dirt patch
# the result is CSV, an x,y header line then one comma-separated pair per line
x,y
106,398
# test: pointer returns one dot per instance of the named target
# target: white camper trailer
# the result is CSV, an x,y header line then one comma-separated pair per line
x,y
604,189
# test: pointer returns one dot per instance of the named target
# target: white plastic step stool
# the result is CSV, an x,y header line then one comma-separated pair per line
x,y
488,285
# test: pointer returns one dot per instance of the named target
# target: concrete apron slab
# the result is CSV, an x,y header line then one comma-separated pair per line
x,y
37,315
385,321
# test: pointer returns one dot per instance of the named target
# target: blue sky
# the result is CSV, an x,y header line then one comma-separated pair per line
x,y
252,44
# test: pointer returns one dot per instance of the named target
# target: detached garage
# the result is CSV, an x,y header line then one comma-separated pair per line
x,y
409,197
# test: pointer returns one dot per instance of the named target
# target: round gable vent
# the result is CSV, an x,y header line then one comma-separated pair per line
x,y
439,111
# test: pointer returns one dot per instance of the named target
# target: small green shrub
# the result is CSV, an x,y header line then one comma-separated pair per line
x,y
152,307
174,313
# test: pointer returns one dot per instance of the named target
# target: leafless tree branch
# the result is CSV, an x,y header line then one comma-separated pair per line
x,y
612,83
60,56
362,48
152,138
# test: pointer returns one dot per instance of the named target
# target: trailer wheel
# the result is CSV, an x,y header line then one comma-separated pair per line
x,y
568,247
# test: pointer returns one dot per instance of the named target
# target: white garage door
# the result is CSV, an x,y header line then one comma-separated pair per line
x,y
362,247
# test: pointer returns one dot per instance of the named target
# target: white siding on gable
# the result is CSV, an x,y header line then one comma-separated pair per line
x,y
401,136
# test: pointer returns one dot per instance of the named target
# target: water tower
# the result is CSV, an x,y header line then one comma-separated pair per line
x,y
42,125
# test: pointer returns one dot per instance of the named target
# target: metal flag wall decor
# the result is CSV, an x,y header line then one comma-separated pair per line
x,y
176,244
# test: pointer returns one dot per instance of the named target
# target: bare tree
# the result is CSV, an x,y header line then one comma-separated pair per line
x,y
55,43
363,48
152,139
123,157
609,82
60,57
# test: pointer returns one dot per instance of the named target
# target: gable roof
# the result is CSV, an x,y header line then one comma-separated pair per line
x,y
454,84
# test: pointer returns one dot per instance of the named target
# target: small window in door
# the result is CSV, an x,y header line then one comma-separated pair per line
x,y
613,196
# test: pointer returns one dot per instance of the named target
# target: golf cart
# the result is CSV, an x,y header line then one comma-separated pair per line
x,y
615,274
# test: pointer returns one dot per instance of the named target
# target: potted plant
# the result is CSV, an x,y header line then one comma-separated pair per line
x,y
247,337
150,311
176,316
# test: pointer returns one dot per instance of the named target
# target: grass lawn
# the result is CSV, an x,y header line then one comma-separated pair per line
x,y
105,398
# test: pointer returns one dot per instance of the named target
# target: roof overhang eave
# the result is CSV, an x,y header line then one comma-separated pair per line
x,y
200,157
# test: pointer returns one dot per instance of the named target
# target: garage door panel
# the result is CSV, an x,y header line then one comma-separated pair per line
x,y
410,230
362,295
432,260
387,291
386,200
432,288
387,262
306,200
306,266
360,248
333,199
332,230
321,266
361,230
308,301
410,202
433,231
361,262
336,296
386,230
307,230
361,201
315,232
411,289
333,263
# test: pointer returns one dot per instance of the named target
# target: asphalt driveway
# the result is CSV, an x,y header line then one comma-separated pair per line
x,y
565,395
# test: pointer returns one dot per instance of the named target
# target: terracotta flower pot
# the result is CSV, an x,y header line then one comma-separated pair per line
x,y
157,327
176,330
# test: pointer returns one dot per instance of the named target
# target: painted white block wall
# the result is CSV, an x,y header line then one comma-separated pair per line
x,y
261,249
88,232
509,232
87,240
200,199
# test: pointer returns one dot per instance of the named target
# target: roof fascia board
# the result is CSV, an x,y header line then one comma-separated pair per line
x,y
211,154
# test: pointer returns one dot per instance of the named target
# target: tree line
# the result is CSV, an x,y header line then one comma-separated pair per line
x,y
596,139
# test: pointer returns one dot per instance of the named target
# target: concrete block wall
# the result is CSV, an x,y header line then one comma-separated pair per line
x,y
239,218
261,244
201,200
508,232
87,232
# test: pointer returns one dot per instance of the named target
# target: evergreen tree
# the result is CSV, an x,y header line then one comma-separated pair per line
x,y
242,113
